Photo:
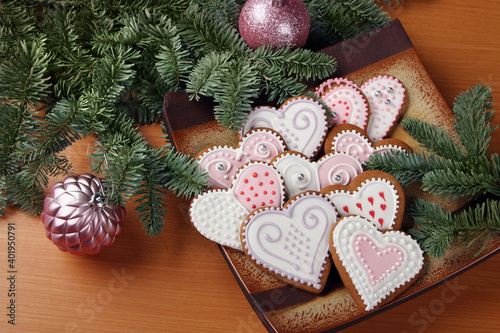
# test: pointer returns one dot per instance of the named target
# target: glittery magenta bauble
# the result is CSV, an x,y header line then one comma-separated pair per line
x,y
77,219
273,22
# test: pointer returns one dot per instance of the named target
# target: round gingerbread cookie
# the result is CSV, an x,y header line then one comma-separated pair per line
x,y
301,121
374,266
222,163
388,99
292,243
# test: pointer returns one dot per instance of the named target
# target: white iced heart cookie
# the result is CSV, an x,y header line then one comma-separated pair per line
x,y
300,174
374,195
374,266
354,141
387,99
292,243
222,163
301,121
217,214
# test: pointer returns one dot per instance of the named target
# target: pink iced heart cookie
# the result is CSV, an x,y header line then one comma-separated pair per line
x,y
374,266
323,87
374,195
354,141
301,121
387,99
292,243
217,214
300,174
348,105
221,163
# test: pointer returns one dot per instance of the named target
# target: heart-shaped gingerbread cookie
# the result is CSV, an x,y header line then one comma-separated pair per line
x,y
374,266
387,99
301,121
374,195
354,141
292,243
221,163
217,214
348,105
300,174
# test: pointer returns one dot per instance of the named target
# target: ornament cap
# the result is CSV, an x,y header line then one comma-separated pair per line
x,y
98,200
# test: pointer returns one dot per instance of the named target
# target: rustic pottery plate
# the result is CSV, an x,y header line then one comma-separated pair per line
x,y
282,308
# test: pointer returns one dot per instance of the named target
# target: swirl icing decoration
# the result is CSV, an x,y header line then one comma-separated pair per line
x,y
354,141
301,121
217,214
387,99
348,105
375,266
292,243
374,195
301,174
222,163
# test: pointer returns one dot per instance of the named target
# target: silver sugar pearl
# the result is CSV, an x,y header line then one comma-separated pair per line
x,y
389,89
263,148
301,176
221,167
363,164
334,115
387,101
378,93
337,177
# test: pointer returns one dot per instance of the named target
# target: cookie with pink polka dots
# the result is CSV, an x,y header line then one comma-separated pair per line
x,y
354,141
374,266
347,103
388,99
217,214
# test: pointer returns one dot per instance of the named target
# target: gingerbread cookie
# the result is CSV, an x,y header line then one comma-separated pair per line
x,y
221,163
217,214
301,174
323,87
301,121
375,266
354,141
374,195
387,99
292,243
347,103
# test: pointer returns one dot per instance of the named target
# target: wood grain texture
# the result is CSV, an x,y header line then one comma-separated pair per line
x,y
179,282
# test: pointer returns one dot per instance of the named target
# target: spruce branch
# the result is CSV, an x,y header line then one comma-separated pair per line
x,y
438,228
238,82
182,175
351,17
473,112
450,171
433,138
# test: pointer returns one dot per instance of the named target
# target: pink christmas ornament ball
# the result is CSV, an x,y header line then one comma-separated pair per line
x,y
76,217
279,23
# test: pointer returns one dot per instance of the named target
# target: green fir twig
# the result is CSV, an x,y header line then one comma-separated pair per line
x,y
451,170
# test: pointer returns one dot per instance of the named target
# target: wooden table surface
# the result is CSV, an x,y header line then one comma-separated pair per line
x,y
179,282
